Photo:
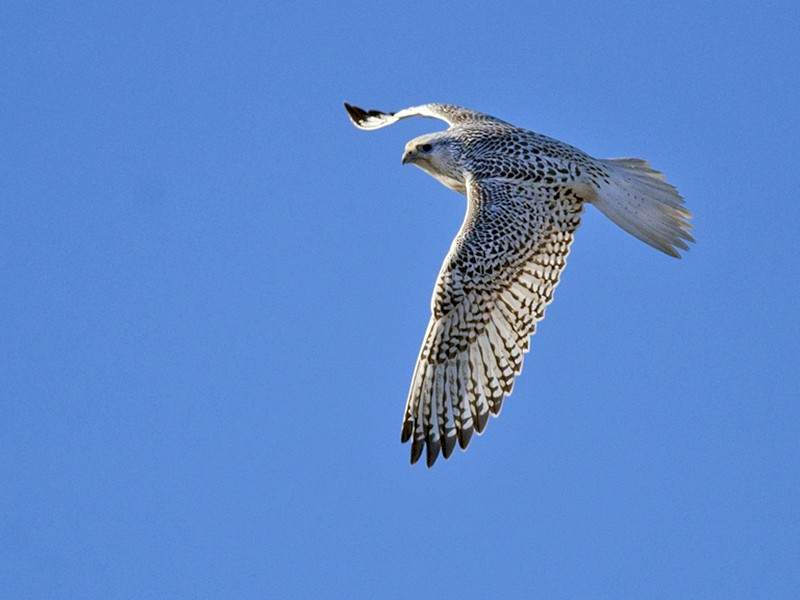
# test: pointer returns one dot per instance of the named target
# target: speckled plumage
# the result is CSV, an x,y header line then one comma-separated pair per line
x,y
525,195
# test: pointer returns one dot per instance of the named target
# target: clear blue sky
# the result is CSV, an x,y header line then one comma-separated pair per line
x,y
213,289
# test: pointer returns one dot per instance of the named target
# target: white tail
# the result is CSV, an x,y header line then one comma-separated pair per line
x,y
638,199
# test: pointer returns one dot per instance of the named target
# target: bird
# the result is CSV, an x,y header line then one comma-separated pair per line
x,y
525,193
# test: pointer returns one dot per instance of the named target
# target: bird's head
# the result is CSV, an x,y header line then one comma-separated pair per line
x,y
436,154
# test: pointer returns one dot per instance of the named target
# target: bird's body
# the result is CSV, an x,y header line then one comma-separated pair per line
x,y
525,193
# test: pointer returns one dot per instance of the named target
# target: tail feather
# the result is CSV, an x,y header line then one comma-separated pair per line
x,y
638,199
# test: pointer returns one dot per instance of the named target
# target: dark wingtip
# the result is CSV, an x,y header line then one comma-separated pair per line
x,y
480,422
464,436
432,452
367,119
449,444
498,404
405,434
357,115
416,449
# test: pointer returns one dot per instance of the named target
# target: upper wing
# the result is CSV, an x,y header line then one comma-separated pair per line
x,y
492,290
452,115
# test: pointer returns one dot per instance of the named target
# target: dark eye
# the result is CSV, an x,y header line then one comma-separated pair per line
x,y
425,148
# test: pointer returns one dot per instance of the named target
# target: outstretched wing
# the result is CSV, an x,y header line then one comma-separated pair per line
x,y
450,114
492,290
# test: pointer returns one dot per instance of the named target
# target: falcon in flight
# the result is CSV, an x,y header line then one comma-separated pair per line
x,y
525,195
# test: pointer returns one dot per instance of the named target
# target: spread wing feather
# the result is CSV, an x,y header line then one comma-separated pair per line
x,y
492,289
449,113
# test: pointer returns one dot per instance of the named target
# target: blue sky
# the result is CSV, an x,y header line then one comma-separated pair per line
x,y
213,289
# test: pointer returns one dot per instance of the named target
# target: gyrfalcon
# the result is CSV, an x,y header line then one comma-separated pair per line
x,y
525,195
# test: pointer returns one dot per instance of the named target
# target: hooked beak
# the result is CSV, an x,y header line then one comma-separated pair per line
x,y
408,156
